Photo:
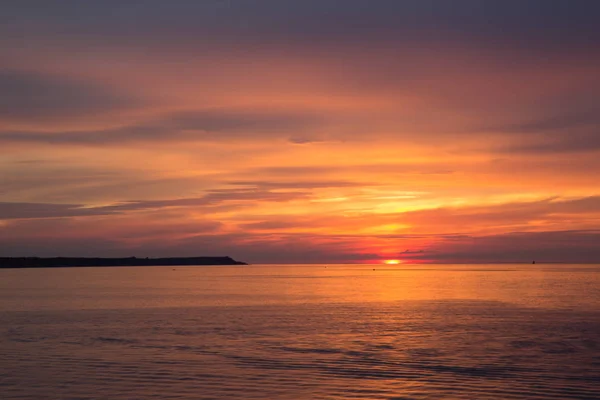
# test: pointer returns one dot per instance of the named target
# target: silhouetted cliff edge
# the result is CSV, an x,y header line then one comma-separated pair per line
x,y
36,262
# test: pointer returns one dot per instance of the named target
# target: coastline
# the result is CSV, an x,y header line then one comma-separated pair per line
x,y
74,262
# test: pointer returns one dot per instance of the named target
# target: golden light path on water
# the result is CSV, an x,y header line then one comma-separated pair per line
x,y
332,332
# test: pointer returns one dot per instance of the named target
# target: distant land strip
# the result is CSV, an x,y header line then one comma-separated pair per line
x,y
56,262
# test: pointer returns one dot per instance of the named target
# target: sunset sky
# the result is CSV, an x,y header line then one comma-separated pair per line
x,y
288,131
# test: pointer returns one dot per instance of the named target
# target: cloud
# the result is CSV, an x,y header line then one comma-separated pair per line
x,y
247,121
570,143
548,214
46,177
114,234
298,184
42,210
357,167
556,246
28,95
574,129
203,125
213,198
554,123
14,210
305,140
269,225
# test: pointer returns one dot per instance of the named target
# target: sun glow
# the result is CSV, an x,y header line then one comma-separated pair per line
x,y
392,262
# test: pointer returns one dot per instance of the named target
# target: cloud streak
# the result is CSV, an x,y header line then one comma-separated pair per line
x,y
40,96
184,126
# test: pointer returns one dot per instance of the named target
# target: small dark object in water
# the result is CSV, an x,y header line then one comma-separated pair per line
x,y
533,262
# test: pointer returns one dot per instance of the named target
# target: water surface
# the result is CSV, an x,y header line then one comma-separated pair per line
x,y
301,332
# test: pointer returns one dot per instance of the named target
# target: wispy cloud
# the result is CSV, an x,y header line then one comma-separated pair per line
x,y
38,96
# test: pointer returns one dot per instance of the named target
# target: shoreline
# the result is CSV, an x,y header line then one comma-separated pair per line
x,y
76,262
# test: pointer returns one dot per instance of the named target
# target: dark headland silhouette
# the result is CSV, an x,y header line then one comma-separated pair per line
x,y
37,262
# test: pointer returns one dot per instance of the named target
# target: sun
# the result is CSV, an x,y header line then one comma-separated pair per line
x,y
392,262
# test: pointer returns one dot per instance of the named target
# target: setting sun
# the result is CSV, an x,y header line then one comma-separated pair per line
x,y
392,262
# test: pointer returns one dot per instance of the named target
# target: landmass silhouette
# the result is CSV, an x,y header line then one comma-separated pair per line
x,y
55,262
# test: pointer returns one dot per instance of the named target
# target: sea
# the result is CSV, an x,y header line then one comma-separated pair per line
x,y
301,332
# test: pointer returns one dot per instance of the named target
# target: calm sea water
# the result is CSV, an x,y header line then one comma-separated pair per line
x,y
301,332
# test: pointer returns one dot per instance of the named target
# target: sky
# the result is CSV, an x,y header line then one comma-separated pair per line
x,y
284,131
